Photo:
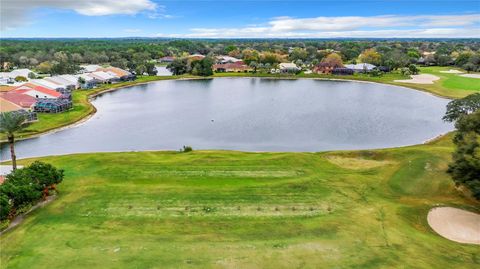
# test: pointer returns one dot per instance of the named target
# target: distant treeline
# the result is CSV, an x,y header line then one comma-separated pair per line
x,y
65,55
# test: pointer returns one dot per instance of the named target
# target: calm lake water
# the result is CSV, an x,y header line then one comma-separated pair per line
x,y
250,114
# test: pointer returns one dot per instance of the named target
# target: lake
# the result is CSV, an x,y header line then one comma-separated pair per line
x,y
250,114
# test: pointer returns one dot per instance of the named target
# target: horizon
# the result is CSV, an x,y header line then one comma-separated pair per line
x,y
267,19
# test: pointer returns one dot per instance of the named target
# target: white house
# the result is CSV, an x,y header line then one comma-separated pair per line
x,y
223,59
288,68
21,72
73,80
90,68
361,67
62,82
90,81
48,84
102,76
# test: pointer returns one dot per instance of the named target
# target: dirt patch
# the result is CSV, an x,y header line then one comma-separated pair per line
x,y
355,163
455,224
420,79
452,71
471,75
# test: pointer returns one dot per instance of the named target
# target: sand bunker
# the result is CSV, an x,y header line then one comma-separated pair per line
x,y
471,75
455,224
420,79
452,71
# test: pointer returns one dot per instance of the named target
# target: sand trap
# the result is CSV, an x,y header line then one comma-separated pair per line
x,y
471,75
455,224
420,79
452,71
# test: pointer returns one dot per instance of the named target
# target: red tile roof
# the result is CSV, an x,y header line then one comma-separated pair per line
x,y
18,98
30,86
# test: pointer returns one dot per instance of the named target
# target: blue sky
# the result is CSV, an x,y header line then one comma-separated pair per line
x,y
267,18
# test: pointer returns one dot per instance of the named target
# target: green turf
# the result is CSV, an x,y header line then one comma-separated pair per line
x,y
223,209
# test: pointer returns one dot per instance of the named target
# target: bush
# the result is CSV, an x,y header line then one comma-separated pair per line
x,y
26,186
405,72
186,149
21,79
413,69
376,73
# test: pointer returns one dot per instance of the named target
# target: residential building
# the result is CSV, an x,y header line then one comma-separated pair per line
x,y
223,59
361,67
89,81
90,68
166,59
288,68
232,67
48,84
326,68
37,91
20,99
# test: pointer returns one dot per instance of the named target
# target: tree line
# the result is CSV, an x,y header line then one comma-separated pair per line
x,y
57,56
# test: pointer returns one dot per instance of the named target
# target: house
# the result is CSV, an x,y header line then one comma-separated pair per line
x,y
103,77
20,99
88,81
48,84
121,74
326,68
361,67
90,68
7,106
66,84
24,72
222,59
71,79
196,57
288,68
166,59
232,67
37,91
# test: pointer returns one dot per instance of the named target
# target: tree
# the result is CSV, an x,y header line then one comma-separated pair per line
x,y
45,67
5,206
465,166
45,175
461,107
469,67
179,66
413,69
11,122
151,69
333,59
370,56
20,79
202,67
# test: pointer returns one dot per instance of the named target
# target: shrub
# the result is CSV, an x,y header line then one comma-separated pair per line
x,y
21,79
25,186
186,149
413,69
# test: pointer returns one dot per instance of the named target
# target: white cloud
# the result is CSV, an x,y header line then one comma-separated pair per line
x,y
133,30
428,26
14,13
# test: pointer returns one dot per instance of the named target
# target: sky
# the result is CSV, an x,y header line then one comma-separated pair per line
x,y
240,18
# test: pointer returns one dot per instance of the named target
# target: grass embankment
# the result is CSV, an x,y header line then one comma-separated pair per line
x,y
450,85
223,209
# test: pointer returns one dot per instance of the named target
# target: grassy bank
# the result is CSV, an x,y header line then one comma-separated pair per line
x,y
222,209
450,85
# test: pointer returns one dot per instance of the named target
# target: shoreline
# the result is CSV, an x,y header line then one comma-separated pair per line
x,y
94,95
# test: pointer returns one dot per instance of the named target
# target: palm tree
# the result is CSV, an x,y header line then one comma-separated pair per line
x,y
11,122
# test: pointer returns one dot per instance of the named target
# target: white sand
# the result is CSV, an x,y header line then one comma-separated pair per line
x,y
471,75
455,224
420,79
452,71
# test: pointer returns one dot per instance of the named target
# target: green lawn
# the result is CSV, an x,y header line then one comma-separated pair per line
x,y
223,209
